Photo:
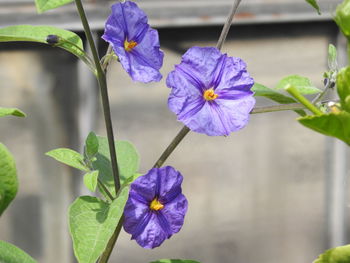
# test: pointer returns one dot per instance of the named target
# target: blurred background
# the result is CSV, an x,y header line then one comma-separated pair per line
x,y
272,192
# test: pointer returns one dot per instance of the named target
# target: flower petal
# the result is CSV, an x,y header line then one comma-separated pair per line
x,y
153,234
174,212
201,63
146,185
135,213
170,182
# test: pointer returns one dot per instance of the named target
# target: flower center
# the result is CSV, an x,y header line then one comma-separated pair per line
x,y
209,94
128,46
156,205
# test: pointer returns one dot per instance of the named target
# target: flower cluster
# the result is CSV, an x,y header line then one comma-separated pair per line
x,y
210,93
156,207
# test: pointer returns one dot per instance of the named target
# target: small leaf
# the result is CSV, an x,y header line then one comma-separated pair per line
x,y
343,88
8,178
131,179
12,254
44,5
92,223
11,111
69,157
263,91
91,145
335,255
332,124
90,180
332,57
175,261
71,41
314,4
302,84
128,162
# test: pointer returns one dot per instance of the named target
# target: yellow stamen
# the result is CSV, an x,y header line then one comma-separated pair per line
x,y
156,205
209,94
129,45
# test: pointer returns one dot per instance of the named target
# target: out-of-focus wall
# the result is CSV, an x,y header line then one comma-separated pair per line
x,y
255,196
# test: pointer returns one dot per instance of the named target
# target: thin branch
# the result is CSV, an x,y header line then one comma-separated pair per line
x,y
101,77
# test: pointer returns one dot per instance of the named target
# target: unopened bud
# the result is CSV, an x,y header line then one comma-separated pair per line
x,y
52,39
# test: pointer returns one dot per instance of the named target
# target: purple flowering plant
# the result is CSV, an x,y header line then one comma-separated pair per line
x,y
210,93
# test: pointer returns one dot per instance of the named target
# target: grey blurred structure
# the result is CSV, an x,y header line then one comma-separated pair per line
x,y
272,192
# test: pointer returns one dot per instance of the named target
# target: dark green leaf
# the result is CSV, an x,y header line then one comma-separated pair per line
x,y
335,255
12,254
343,88
332,124
92,223
91,145
128,161
8,178
90,180
72,42
69,157
302,84
175,261
11,111
44,5
314,4
261,90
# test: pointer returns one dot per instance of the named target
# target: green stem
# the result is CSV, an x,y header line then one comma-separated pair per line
x,y
101,77
274,108
105,189
175,142
111,243
296,94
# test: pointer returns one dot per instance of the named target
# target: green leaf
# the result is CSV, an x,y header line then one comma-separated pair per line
x,y
92,223
332,57
69,157
175,261
335,255
332,124
69,40
263,91
8,178
128,162
90,180
131,179
11,111
342,17
343,88
91,145
314,4
44,5
12,254
302,84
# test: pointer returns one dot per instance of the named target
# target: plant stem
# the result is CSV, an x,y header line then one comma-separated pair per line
x,y
296,94
227,25
184,131
178,138
101,77
105,189
274,108
108,251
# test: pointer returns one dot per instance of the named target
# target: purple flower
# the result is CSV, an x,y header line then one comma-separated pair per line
x,y
211,92
134,41
156,207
